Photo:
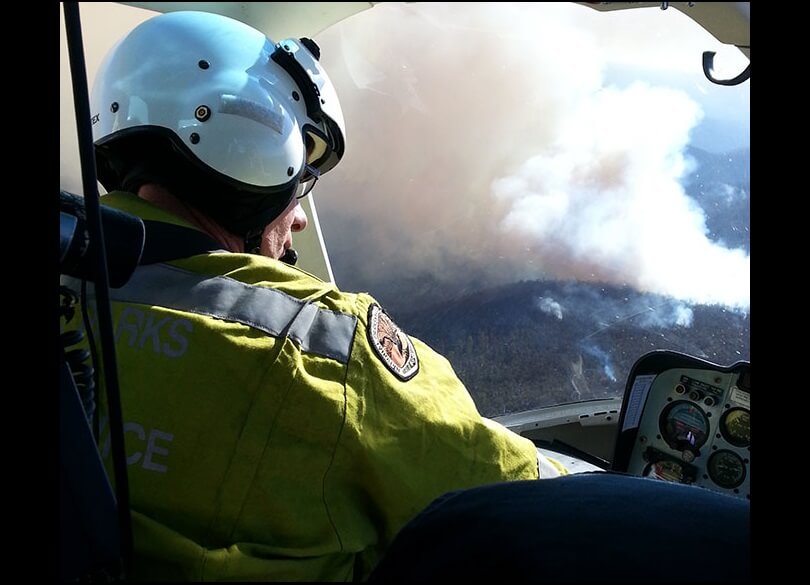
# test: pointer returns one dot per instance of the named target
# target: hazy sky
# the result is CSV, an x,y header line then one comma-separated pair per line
x,y
528,141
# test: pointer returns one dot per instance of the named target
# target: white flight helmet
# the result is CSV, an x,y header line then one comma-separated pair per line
x,y
220,113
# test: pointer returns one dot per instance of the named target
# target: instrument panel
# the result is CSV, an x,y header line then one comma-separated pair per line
x,y
688,421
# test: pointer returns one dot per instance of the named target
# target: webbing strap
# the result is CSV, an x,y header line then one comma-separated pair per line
x,y
166,241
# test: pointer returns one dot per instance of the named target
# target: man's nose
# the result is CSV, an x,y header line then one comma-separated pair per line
x,y
299,219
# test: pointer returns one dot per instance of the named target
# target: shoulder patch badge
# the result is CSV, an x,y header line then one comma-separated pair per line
x,y
391,345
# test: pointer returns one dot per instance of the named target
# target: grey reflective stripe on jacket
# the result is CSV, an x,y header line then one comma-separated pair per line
x,y
316,330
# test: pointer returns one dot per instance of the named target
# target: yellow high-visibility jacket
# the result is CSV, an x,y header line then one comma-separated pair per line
x,y
277,428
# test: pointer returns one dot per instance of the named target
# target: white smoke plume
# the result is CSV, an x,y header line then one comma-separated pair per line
x,y
604,201
668,315
644,311
549,306
594,350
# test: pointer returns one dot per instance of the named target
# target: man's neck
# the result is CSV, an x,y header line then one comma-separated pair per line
x,y
159,196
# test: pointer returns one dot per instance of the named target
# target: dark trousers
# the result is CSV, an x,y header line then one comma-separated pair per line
x,y
591,527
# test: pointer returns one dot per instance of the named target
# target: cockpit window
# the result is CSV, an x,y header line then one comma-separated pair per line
x,y
542,192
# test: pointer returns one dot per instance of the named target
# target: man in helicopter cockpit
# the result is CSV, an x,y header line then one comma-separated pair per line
x,y
288,430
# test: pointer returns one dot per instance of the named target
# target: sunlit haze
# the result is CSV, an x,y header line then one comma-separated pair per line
x,y
509,142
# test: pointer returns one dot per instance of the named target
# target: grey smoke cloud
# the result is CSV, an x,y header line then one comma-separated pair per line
x,y
483,143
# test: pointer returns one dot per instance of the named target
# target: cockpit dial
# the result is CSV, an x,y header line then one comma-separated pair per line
x,y
726,469
736,427
684,426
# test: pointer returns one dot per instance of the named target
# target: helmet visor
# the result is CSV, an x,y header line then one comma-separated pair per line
x,y
307,183
320,99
